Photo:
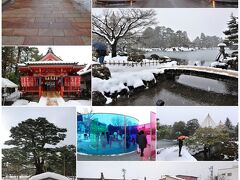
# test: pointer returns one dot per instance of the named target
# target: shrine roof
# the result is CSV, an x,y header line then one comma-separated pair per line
x,y
50,56
49,59
49,62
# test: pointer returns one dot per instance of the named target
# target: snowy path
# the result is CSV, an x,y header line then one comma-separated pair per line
x,y
171,154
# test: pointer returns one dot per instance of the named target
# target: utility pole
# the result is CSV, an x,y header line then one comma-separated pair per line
x,y
211,172
124,173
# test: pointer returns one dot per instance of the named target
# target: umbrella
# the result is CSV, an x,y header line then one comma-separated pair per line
x,y
99,46
182,137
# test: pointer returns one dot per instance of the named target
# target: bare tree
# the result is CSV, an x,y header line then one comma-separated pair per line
x,y
113,25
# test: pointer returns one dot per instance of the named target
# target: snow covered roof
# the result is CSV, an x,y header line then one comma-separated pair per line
x,y
48,175
173,177
222,44
48,58
48,62
84,72
8,83
208,122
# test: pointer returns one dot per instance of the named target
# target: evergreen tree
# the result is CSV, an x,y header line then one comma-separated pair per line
x,y
192,126
32,136
12,56
179,128
228,124
232,31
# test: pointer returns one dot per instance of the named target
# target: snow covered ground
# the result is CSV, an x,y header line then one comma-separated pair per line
x,y
48,175
169,49
171,154
56,101
124,76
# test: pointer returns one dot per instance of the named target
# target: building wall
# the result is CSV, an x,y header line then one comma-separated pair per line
x,y
228,174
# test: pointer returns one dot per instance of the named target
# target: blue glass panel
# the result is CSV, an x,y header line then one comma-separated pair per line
x,y
105,134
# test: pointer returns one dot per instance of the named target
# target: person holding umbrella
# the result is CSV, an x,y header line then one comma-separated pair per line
x,y
180,144
101,50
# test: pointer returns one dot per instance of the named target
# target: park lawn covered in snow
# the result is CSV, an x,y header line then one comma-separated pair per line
x,y
171,154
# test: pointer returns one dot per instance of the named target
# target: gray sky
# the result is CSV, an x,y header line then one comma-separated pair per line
x,y
64,117
140,112
151,170
81,54
210,21
170,114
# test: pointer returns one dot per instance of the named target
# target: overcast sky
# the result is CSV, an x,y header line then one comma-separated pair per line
x,y
170,114
81,54
63,117
139,112
210,21
151,170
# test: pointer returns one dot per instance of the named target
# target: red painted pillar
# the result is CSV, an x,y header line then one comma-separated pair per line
x,y
62,88
40,87
40,91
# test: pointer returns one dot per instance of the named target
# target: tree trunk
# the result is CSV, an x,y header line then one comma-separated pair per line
x,y
114,49
39,169
18,60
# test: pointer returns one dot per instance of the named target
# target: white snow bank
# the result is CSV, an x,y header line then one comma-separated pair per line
x,y
78,103
116,83
171,154
48,175
20,102
117,59
59,101
8,83
129,76
14,96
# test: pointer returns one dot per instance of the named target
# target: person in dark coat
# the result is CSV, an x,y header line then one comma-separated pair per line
x,y
101,55
142,140
137,141
180,144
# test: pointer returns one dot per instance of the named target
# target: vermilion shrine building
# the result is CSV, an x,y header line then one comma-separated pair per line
x,y
50,73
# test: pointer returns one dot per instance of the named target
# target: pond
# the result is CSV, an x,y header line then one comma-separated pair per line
x,y
186,91
206,56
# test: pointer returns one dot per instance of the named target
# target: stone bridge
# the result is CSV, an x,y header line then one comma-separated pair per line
x,y
201,71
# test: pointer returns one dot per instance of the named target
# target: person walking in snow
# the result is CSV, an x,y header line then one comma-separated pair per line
x,y
180,144
142,140
101,51
101,55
